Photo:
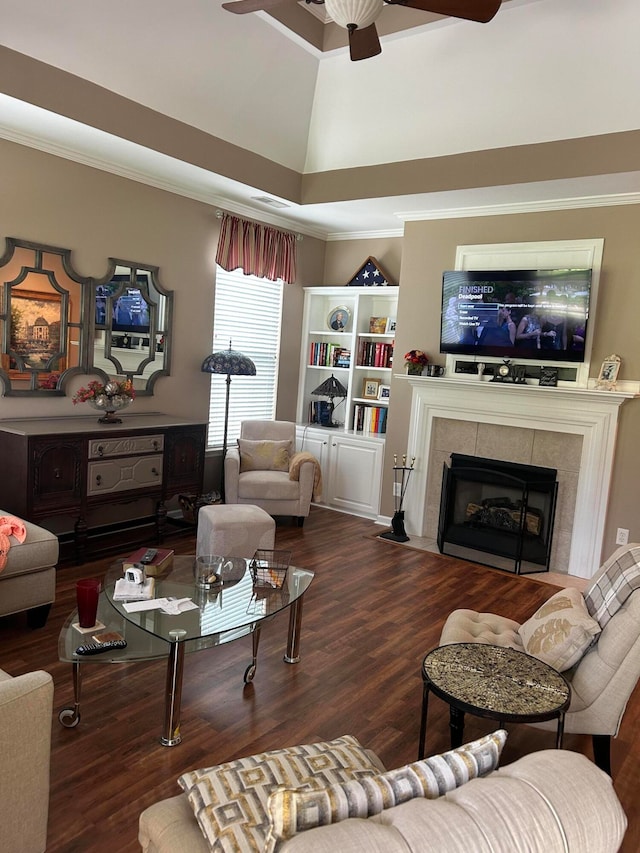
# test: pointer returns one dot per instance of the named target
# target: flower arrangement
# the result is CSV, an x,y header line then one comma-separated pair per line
x,y
96,392
416,356
416,359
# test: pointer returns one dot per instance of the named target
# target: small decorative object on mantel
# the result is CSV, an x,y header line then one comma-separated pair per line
x,y
548,376
508,372
401,475
370,274
608,376
416,360
109,398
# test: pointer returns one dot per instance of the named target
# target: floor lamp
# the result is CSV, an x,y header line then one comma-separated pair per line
x,y
231,363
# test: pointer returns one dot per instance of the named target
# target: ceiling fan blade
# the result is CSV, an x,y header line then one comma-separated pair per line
x,y
365,43
470,10
241,7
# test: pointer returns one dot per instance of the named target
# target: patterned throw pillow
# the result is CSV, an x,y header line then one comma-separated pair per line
x,y
560,631
291,812
264,455
230,800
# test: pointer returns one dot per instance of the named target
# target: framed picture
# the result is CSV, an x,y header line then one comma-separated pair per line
x,y
548,377
383,392
390,328
36,321
377,325
370,389
339,318
609,373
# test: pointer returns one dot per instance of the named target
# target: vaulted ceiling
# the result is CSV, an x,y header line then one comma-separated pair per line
x,y
538,109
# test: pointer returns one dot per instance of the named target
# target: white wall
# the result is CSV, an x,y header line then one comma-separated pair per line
x,y
556,69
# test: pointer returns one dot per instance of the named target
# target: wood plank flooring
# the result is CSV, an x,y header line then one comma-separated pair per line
x,y
371,614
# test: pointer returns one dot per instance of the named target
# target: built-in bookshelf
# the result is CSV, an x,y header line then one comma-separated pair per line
x,y
348,332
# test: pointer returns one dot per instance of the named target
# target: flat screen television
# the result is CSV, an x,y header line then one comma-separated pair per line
x,y
521,314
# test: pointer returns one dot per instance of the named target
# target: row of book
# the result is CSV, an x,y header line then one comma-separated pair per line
x,y
370,420
374,354
323,354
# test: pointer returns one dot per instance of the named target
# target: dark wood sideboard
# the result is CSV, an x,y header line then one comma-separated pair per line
x,y
73,466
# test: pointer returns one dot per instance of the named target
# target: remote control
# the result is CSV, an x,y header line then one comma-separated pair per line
x,y
96,648
148,556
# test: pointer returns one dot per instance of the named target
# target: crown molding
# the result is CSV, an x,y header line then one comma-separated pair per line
x,y
292,223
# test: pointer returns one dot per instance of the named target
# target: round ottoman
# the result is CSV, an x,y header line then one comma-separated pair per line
x,y
234,530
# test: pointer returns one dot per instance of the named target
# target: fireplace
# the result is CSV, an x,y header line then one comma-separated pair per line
x,y
570,429
497,513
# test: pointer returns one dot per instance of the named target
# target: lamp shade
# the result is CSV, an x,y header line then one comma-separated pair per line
x,y
230,362
330,388
362,13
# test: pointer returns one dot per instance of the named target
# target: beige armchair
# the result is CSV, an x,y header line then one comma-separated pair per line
x,y
25,746
603,679
265,470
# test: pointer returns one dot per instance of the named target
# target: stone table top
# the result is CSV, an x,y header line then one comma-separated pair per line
x,y
502,681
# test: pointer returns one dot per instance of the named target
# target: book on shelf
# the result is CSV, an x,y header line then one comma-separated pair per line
x,y
370,420
376,354
160,563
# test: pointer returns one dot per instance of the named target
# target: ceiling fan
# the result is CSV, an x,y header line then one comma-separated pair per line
x,y
359,16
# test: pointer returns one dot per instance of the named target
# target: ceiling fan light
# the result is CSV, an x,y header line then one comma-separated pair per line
x,y
362,13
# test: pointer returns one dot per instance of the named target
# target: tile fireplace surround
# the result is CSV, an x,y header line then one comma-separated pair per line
x,y
571,429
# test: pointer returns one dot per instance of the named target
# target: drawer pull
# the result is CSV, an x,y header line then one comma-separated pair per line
x,y
183,459
57,473
156,444
155,471
99,479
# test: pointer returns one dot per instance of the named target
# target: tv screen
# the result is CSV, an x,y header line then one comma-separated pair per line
x,y
130,311
520,314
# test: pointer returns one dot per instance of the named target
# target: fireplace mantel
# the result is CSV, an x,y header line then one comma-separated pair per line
x,y
590,413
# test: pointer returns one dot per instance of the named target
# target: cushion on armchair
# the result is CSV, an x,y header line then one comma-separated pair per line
x,y
560,631
264,455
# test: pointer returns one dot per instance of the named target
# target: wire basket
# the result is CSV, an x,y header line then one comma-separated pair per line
x,y
269,568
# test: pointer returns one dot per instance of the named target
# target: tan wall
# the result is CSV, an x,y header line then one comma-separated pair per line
x,y
430,247
97,215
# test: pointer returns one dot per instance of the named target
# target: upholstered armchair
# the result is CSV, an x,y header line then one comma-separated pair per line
x,y
26,704
605,672
265,470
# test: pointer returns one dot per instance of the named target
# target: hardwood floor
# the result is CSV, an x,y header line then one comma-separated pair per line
x,y
371,614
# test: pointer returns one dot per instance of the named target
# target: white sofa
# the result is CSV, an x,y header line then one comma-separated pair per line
x,y
552,801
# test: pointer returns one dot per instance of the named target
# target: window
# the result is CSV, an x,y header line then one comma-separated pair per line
x,y
247,312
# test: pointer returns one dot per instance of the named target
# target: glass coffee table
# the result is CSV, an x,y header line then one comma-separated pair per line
x,y
492,681
233,609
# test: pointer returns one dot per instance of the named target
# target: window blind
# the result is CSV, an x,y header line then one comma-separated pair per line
x,y
247,312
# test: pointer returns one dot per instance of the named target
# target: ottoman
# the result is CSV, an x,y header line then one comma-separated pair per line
x,y
28,580
234,530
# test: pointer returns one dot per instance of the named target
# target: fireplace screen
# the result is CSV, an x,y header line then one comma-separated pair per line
x,y
497,513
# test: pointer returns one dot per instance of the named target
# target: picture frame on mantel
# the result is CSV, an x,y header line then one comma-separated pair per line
x,y
608,375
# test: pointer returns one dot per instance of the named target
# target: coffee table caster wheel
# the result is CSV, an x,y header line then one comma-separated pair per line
x,y
249,672
69,718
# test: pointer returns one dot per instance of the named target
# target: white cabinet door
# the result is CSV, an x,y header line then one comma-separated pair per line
x,y
355,475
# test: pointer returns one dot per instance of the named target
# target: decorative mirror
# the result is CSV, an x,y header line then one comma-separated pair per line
x,y
54,323
132,321
43,318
